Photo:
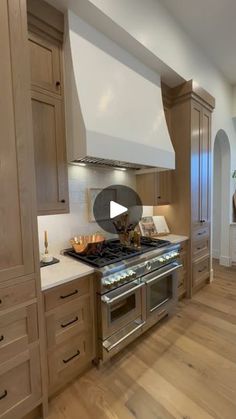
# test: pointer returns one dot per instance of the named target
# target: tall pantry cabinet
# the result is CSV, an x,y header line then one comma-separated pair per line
x,y
21,350
190,110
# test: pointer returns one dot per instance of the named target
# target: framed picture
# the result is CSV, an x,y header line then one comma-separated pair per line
x,y
147,226
108,195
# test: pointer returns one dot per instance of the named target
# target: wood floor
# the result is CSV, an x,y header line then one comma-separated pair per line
x,y
184,369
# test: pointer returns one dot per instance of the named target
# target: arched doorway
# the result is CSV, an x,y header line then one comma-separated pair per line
x,y
222,200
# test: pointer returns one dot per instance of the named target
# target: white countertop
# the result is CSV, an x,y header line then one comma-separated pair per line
x,y
68,269
64,271
174,238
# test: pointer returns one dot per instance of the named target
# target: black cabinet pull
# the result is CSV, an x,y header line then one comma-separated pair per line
x,y
0,301
159,197
69,323
202,270
3,395
203,232
1,338
63,201
72,357
202,221
58,83
69,295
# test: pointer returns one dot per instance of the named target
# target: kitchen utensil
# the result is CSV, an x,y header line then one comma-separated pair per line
x,y
88,244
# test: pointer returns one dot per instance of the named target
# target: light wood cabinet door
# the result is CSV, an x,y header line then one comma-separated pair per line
x,y
200,164
16,244
155,188
20,386
45,63
196,119
205,165
50,154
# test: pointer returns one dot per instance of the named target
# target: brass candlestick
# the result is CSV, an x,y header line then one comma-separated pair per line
x,y
46,242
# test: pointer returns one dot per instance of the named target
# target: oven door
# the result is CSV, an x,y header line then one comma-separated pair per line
x,y
120,307
162,287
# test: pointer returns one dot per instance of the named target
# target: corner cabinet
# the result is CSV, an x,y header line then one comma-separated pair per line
x,y
47,94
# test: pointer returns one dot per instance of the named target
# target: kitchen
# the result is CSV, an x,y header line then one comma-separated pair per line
x,y
78,140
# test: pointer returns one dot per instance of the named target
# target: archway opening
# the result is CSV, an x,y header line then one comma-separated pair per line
x,y
222,200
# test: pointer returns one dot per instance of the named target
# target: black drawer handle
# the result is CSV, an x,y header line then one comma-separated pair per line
x,y
69,295
203,232
3,395
58,83
200,248
71,322
203,269
202,221
72,357
159,197
0,301
1,338
63,201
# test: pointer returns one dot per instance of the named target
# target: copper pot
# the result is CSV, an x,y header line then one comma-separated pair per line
x,y
88,244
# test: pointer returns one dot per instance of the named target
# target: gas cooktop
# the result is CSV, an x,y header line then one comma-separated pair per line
x,y
113,251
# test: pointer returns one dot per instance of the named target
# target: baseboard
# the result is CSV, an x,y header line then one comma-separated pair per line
x,y
215,254
225,261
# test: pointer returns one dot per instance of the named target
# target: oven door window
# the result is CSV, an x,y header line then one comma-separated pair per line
x,y
122,307
160,292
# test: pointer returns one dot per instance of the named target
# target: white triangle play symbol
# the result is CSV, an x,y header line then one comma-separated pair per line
x,y
116,209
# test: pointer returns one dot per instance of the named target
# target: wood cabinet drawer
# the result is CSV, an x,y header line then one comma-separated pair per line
x,y
201,232
62,294
17,330
16,294
65,322
201,270
70,358
20,384
201,247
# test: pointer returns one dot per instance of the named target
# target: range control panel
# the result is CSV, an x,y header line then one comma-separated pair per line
x,y
127,275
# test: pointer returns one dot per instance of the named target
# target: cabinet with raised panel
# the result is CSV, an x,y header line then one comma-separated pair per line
x,y
155,188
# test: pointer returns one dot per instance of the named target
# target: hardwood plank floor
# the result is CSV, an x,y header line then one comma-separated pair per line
x,y
186,368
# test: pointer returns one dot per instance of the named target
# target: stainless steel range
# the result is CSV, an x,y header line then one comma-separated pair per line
x,y
135,289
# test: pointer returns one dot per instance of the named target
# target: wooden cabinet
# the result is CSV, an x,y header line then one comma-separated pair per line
x,y
50,154
190,110
16,242
45,63
69,314
21,350
200,163
155,188
183,273
45,47
20,387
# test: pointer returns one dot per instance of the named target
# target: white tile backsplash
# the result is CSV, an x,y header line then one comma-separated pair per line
x,y
64,226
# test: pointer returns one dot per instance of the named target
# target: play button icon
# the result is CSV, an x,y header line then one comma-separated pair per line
x,y
116,209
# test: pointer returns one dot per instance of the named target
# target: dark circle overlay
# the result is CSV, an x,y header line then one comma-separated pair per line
x,y
122,195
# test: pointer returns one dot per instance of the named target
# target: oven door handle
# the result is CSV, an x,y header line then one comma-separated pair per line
x,y
124,337
109,301
177,266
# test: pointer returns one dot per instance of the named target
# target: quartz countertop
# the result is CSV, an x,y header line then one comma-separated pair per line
x,y
64,271
174,238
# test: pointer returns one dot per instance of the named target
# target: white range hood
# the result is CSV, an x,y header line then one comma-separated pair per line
x,y
114,107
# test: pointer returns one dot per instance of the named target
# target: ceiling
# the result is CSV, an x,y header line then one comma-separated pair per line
x,y
211,23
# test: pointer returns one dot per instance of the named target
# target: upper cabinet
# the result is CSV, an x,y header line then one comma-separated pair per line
x,y
45,63
45,47
155,188
16,184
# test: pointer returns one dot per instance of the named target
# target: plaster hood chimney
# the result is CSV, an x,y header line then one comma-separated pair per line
x,y
114,106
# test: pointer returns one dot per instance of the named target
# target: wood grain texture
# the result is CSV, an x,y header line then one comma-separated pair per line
x,y
186,368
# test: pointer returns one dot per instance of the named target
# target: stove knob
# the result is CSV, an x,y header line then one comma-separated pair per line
x,y
167,257
161,260
148,266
